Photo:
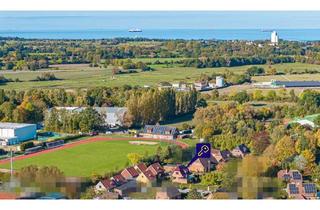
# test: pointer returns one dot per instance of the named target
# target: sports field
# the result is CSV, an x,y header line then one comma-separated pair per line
x,y
82,76
85,159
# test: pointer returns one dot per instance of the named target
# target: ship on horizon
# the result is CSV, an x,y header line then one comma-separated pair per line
x,y
134,30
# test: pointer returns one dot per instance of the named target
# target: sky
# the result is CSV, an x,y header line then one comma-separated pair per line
x,y
160,20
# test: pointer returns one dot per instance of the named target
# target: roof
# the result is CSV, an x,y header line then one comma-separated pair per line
x,y
133,172
293,189
119,179
141,166
243,148
309,188
183,170
170,192
155,168
149,175
305,120
297,83
159,129
7,125
108,183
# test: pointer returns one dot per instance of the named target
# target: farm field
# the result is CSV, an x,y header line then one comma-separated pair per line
x,y
83,76
85,159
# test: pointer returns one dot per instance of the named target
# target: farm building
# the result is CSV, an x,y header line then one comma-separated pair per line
x,y
287,84
159,132
15,133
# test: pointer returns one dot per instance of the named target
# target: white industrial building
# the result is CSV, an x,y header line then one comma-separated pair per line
x,y
274,38
219,82
15,133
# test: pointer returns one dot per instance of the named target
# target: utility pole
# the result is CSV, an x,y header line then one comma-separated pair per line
x,y
11,163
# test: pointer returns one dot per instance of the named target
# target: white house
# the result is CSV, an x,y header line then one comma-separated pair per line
x,y
15,133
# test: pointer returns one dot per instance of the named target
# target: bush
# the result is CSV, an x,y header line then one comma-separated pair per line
x,y
26,145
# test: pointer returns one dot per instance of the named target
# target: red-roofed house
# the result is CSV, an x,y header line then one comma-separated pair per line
x,y
147,177
180,174
156,169
129,173
119,179
105,185
141,167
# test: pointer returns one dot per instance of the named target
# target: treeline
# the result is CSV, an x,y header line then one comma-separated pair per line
x,y
25,54
152,106
64,121
234,61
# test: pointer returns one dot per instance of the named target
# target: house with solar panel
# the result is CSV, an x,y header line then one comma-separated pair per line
x,y
306,191
159,132
290,176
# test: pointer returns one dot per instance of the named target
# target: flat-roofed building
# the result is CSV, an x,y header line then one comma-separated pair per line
x,y
15,133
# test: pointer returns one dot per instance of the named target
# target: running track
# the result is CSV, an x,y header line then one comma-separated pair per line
x,y
90,140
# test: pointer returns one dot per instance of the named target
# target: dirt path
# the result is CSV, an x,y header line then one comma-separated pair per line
x,y
90,140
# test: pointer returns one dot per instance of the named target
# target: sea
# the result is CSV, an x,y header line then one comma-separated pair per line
x,y
189,25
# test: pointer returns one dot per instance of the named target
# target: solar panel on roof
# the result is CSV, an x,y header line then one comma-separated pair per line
x,y
286,176
296,175
293,189
310,188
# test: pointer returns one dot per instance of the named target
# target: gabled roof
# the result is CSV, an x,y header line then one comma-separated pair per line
x,y
119,179
108,184
141,166
243,149
149,175
132,171
159,129
155,168
183,170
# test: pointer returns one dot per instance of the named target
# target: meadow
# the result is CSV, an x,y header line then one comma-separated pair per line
x,y
82,76
87,159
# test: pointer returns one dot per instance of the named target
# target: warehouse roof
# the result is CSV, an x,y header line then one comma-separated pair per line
x,y
297,83
6,125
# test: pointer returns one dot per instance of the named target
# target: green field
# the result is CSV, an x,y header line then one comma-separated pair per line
x,y
86,159
83,76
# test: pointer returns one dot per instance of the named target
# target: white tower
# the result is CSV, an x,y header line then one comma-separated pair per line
x,y
274,38
219,81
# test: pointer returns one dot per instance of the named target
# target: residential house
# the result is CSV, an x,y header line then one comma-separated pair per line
x,y
221,156
130,173
147,177
159,132
302,191
169,168
240,151
180,175
202,165
168,193
119,179
141,167
290,176
105,185
156,169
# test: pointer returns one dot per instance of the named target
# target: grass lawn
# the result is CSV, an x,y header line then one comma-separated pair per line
x,y
86,159
83,76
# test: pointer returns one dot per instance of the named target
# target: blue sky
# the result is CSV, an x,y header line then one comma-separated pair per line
x,y
159,20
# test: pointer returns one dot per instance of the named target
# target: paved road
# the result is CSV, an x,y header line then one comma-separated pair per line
x,y
87,141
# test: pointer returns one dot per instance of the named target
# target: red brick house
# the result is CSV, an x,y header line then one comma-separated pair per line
x,y
130,173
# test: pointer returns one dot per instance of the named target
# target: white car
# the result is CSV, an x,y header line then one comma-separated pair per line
x,y
108,132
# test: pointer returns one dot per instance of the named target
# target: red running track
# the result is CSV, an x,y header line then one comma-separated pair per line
x,y
90,140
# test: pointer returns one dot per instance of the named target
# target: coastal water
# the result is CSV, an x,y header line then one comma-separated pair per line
x,y
300,26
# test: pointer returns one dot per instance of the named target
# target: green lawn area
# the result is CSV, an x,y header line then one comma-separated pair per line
x,y
83,76
86,159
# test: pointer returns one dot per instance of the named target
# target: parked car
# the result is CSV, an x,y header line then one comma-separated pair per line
x,y
94,133
108,132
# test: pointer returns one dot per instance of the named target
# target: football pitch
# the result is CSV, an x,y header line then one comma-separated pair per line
x,y
87,159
